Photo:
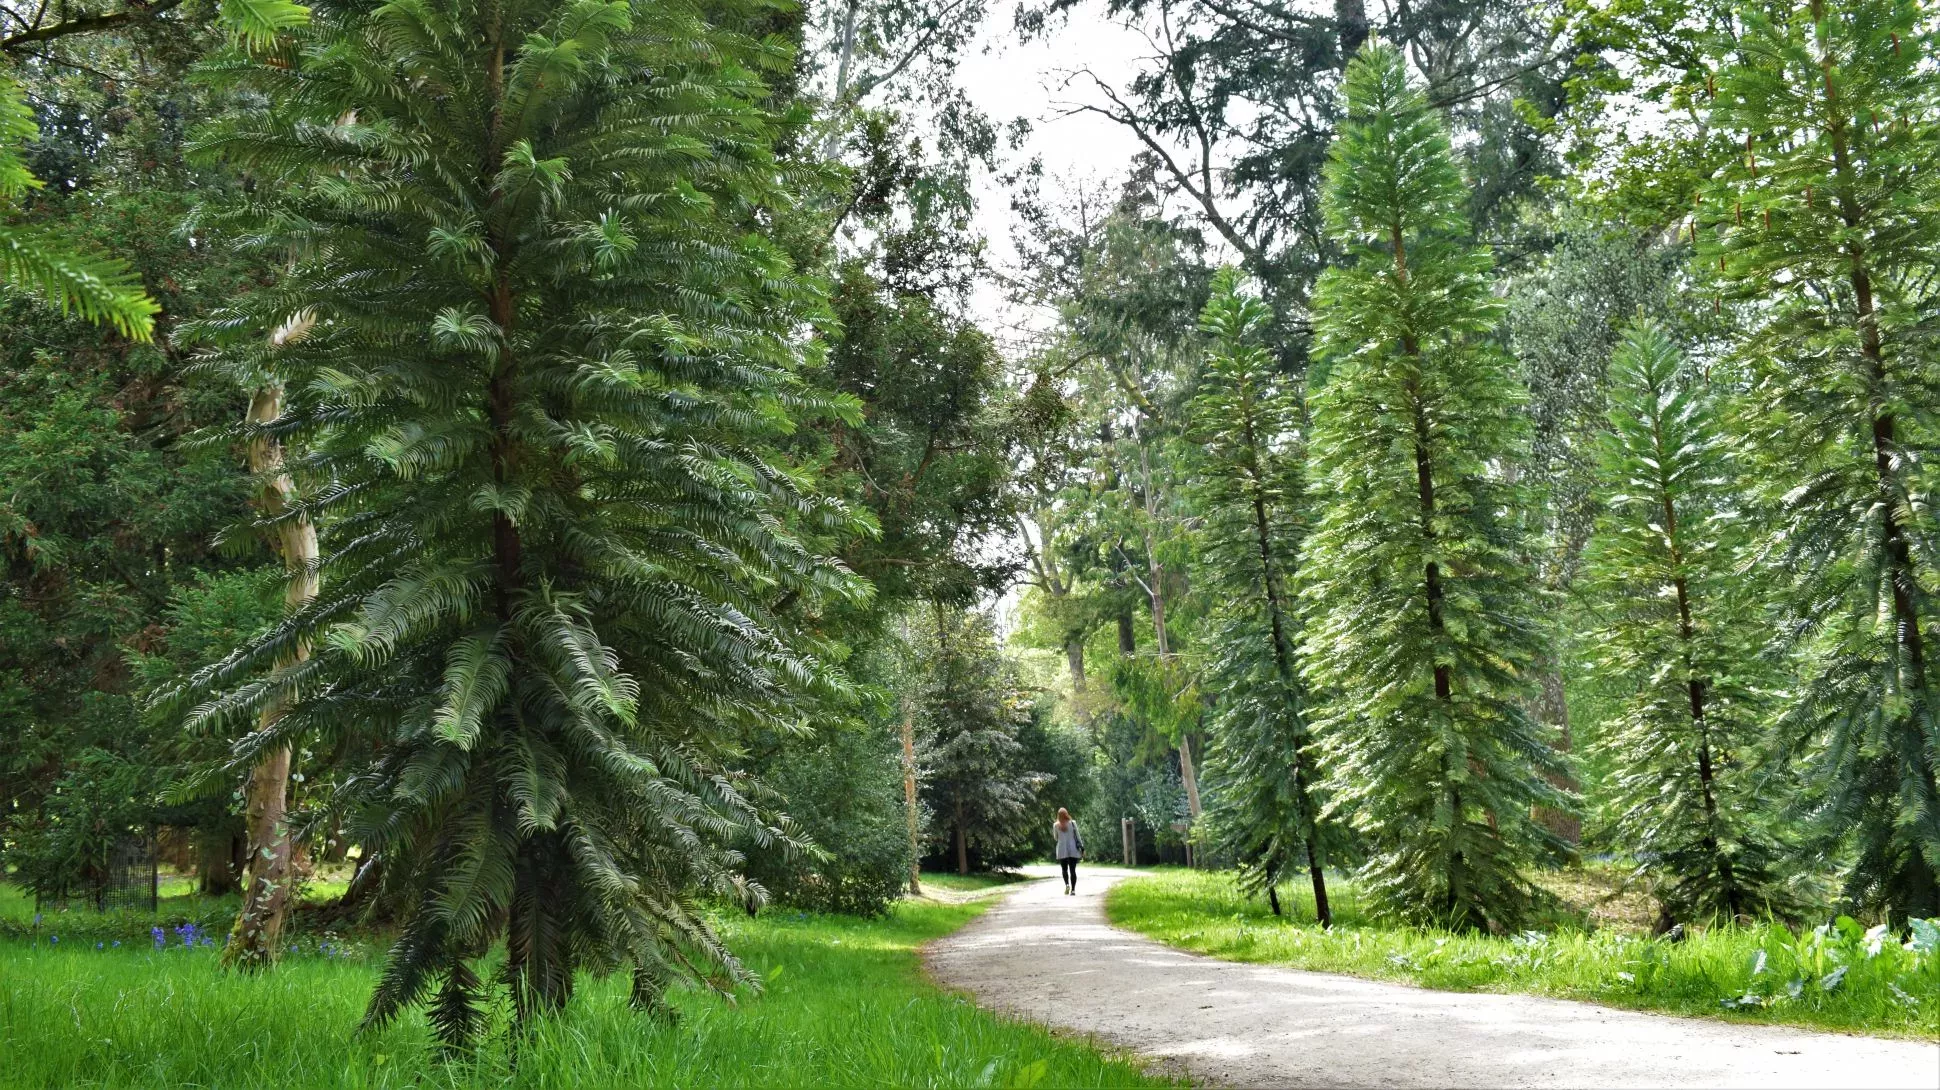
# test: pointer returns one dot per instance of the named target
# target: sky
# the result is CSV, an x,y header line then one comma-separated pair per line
x,y
1009,79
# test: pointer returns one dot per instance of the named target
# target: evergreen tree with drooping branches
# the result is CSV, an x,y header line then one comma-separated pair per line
x,y
538,358
1826,219
971,711
1245,422
1423,614
1682,631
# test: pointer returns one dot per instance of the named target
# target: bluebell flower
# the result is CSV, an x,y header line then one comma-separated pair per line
x,y
116,944
54,939
161,939
97,946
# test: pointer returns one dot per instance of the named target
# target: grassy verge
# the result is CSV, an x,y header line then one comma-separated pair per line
x,y
1840,978
971,883
177,904
845,1005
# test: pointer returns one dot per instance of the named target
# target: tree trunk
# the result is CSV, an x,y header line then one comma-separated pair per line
x,y
1127,634
1074,657
253,942
909,800
215,863
1902,569
1283,664
1553,708
963,842
1187,774
1155,592
1350,18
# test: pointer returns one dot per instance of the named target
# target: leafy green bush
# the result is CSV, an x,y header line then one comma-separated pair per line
x,y
846,792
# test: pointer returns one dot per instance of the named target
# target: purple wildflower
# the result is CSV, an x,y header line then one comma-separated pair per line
x,y
161,939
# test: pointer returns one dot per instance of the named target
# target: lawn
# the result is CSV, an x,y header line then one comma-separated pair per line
x,y
1841,977
971,883
845,1004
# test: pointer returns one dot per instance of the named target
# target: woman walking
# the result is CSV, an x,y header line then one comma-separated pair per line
x,y
1071,847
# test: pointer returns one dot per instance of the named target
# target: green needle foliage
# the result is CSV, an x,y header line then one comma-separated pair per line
x,y
1245,420
1681,632
95,287
975,781
538,356
1423,613
1828,219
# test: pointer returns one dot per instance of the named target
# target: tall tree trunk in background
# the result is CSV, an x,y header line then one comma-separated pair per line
x,y
963,842
215,858
1155,592
1074,656
909,799
1350,16
1552,707
253,942
1190,777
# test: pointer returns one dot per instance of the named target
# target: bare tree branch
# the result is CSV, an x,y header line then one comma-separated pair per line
x,y
34,31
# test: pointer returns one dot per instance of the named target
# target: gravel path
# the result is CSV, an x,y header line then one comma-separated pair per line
x,y
1053,959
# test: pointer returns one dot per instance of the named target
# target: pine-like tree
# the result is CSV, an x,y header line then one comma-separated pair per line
x,y
971,711
1423,613
1681,631
1827,220
1245,420
548,356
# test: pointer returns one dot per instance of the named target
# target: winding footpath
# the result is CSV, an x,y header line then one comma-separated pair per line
x,y
1054,959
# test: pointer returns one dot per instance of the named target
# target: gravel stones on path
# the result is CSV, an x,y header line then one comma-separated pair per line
x,y
1053,959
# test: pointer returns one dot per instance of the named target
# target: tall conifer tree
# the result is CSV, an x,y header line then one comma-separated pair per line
x,y
1246,423
1681,631
1423,612
1827,219
548,357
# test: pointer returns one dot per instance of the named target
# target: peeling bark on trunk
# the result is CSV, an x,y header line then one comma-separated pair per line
x,y
253,942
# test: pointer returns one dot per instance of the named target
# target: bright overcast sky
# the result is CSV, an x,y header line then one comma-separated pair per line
x,y
1008,79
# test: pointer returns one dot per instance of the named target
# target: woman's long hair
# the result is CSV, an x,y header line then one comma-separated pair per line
x,y
1064,817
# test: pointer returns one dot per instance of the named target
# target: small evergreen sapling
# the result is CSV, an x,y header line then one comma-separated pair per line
x,y
1681,631
1423,613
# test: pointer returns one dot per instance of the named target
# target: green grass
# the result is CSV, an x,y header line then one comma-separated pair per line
x,y
971,883
845,1005
177,903
1759,974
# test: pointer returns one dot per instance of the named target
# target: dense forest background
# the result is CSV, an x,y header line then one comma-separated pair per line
x,y
1468,439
